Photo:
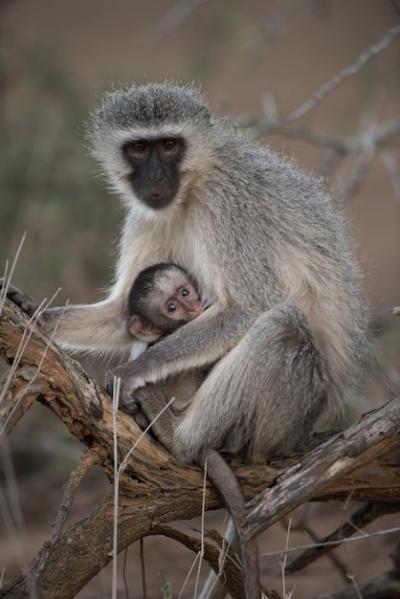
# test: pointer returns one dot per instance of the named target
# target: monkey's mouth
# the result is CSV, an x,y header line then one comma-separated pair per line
x,y
205,303
158,200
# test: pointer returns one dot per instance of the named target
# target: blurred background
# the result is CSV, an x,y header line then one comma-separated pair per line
x,y
256,60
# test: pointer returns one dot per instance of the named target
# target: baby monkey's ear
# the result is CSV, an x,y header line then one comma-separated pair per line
x,y
143,330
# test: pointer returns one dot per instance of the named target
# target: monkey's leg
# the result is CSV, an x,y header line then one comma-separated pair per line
x,y
149,405
152,401
266,393
224,479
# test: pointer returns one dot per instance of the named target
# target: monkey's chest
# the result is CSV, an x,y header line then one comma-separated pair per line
x,y
191,252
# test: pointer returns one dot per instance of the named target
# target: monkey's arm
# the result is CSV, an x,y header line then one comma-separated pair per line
x,y
93,327
199,342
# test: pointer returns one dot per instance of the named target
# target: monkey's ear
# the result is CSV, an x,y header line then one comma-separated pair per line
x,y
143,330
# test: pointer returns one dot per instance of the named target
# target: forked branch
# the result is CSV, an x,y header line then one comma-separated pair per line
x,y
155,489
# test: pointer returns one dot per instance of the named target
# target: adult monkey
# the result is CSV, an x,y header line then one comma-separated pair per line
x,y
287,321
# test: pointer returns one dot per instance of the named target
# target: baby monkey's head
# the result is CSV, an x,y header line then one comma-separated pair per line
x,y
162,298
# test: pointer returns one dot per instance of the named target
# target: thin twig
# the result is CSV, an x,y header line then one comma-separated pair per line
x,y
88,459
358,176
11,486
14,534
356,144
283,563
362,517
115,403
391,165
340,567
353,581
353,69
3,294
188,575
177,14
21,349
143,568
3,289
370,535
203,512
124,577
25,338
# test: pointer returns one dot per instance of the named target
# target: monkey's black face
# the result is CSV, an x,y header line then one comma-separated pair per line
x,y
155,171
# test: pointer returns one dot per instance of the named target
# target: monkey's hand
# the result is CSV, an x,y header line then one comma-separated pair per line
x,y
129,382
50,318
199,343
18,297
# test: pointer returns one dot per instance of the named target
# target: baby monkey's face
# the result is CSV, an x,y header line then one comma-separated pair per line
x,y
180,300
170,299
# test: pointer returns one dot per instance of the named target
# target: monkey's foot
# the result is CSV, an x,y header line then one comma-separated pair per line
x,y
129,384
18,297
150,406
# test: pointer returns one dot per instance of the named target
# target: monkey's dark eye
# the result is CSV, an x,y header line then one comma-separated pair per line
x,y
171,307
185,292
170,146
136,149
139,147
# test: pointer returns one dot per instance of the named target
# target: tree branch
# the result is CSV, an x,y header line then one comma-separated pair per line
x,y
375,435
365,515
156,490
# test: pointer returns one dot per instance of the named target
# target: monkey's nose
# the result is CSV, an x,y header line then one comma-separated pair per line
x,y
195,307
155,176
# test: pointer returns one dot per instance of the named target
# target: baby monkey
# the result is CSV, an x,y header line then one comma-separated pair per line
x,y
163,298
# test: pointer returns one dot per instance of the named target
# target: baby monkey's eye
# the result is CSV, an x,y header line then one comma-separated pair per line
x,y
185,292
171,307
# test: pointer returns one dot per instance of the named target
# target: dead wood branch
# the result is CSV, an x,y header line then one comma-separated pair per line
x,y
155,489
17,400
383,586
375,435
365,515
223,561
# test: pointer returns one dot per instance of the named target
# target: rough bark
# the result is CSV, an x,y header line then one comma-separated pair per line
x,y
154,489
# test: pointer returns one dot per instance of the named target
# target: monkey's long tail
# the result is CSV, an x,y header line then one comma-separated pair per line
x,y
225,481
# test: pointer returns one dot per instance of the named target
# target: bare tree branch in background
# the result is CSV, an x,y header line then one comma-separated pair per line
x,y
179,12
373,140
365,515
383,586
350,71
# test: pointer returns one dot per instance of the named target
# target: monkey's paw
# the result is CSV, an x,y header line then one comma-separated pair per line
x,y
129,384
19,298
